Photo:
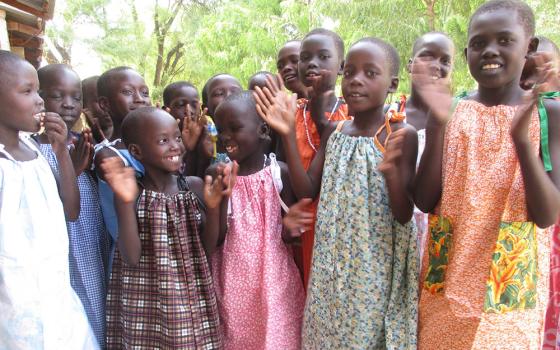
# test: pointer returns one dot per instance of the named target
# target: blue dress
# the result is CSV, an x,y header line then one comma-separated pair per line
x,y
89,250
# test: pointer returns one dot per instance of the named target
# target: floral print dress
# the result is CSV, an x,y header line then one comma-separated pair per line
x,y
363,291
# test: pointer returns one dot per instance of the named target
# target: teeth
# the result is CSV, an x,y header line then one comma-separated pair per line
x,y
355,95
491,66
230,149
174,159
434,77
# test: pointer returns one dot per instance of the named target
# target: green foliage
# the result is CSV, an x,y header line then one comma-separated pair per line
x,y
242,37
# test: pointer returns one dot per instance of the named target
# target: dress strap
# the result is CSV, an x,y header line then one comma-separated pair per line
x,y
110,145
394,115
277,179
339,125
543,117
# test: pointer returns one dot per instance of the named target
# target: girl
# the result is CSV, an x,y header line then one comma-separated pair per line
x,y
89,242
486,270
38,308
363,289
161,292
259,290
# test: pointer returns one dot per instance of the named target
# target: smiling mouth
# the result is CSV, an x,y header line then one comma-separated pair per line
x,y
356,95
230,149
311,75
174,159
289,77
491,66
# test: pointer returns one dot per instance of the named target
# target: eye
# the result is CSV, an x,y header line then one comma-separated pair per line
x,y
162,141
371,74
324,56
127,92
303,57
505,40
477,44
178,139
146,93
279,66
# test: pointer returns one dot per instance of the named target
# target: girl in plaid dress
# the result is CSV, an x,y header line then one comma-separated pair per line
x,y
161,293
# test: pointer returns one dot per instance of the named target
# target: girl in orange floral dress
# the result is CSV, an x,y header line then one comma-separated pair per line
x,y
489,178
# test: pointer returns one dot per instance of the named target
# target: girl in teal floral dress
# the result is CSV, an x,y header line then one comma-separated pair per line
x,y
363,289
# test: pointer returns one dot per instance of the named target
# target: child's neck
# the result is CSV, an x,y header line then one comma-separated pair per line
x,y
416,110
509,94
331,101
116,132
12,145
158,180
366,123
253,163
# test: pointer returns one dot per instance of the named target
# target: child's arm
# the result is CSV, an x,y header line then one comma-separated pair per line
x,y
56,131
278,110
398,167
323,93
82,152
436,94
297,220
541,189
122,181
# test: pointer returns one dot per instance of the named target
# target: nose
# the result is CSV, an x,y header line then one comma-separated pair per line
x,y
68,102
356,80
490,51
139,98
312,63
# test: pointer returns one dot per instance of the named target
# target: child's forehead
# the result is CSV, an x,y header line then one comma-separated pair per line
x,y
290,48
184,91
496,21
223,80
318,41
435,40
16,73
128,77
60,77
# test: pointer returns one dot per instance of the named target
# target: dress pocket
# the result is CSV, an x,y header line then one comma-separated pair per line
x,y
439,236
513,272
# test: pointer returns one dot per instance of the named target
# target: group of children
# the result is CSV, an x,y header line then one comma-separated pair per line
x,y
267,220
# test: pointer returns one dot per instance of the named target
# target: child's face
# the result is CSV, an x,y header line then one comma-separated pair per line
x,y
161,146
318,52
287,64
128,92
19,98
439,51
239,130
366,77
89,90
496,48
183,97
219,89
62,94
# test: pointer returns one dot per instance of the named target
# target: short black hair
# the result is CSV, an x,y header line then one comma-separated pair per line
x,y
85,82
338,43
524,13
135,121
8,60
45,74
106,80
418,41
391,53
547,41
246,97
205,88
171,89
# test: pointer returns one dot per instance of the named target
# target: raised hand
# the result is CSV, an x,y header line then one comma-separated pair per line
x,y
276,107
81,152
393,154
56,131
121,179
297,220
221,186
322,83
545,78
96,131
193,125
435,92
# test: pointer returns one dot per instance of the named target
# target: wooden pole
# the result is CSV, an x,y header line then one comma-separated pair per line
x,y
4,39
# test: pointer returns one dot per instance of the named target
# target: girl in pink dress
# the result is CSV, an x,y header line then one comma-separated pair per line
x,y
258,286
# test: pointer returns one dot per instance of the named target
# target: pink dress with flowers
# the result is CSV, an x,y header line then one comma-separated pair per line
x,y
258,286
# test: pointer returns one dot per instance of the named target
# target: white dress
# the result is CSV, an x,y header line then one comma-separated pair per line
x,y
38,307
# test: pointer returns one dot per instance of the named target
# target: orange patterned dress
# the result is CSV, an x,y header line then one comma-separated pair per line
x,y
308,140
485,268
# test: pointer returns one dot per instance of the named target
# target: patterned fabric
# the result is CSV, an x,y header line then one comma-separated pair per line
x,y
552,326
439,245
89,249
363,291
304,133
38,307
258,286
479,194
167,301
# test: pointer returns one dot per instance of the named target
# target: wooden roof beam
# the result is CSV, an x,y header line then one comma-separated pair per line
x,y
25,8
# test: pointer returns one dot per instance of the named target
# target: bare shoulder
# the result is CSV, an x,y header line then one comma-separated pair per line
x,y
196,185
553,112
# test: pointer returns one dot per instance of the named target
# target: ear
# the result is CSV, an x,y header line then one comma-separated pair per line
x,y
341,68
394,84
103,102
533,45
465,54
135,151
409,66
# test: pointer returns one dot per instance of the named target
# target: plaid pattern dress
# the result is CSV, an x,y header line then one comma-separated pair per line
x,y
167,300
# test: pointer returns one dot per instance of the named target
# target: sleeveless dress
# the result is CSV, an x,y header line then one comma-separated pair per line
x,y
38,307
308,141
89,249
485,268
167,301
258,286
363,291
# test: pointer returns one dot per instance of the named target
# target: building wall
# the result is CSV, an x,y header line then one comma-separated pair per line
x,y
4,39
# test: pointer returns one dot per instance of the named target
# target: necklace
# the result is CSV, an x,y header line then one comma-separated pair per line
x,y
305,122
248,206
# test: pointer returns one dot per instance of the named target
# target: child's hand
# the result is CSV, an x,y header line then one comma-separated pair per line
x,y
322,84
121,179
56,132
393,153
297,220
193,125
221,186
82,152
435,92
96,131
546,79
206,145
276,107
